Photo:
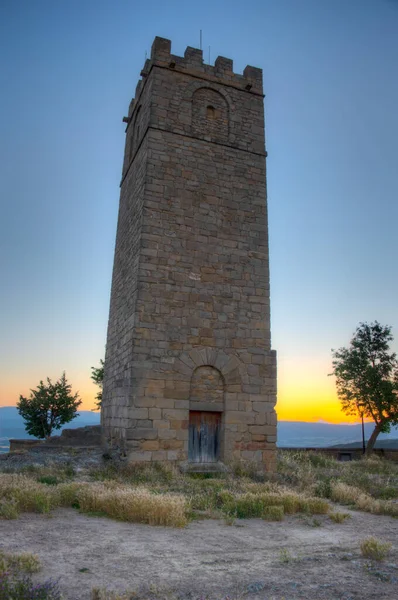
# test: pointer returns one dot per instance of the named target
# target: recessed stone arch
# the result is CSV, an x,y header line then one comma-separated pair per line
x,y
210,115
207,389
229,366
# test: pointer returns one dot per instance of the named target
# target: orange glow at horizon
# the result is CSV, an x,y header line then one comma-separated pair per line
x,y
11,389
305,392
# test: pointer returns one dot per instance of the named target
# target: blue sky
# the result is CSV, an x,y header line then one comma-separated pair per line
x,y
68,71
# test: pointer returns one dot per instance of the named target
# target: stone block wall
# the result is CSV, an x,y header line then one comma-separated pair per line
x,y
189,326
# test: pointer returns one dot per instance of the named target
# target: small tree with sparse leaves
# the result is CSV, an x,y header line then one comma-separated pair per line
x,y
97,375
367,378
49,407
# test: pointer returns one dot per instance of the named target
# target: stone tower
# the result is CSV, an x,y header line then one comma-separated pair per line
x,y
189,371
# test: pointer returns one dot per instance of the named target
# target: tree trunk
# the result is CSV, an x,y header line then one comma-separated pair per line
x,y
372,439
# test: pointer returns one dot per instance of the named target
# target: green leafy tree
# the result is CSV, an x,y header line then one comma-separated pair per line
x,y
49,407
367,378
97,375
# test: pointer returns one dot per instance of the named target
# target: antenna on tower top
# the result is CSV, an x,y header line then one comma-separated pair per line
x,y
209,54
145,55
200,40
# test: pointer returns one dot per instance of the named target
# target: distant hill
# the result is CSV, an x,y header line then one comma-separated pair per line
x,y
12,425
385,444
297,434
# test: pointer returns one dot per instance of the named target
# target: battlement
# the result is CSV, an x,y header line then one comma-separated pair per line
x,y
192,62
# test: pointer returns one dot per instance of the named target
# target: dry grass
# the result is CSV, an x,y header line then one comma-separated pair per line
x,y
8,508
138,505
25,562
250,504
375,549
159,494
349,494
21,493
273,513
368,484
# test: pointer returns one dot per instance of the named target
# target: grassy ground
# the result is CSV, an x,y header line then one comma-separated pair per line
x,y
159,494
311,485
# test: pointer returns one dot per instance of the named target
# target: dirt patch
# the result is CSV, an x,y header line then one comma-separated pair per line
x,y
301,557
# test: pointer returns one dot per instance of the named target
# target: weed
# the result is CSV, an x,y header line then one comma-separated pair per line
x,y
229,520
69,470
285,556
339,517
375,549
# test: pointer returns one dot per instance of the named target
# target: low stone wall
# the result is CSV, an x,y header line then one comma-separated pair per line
x,y
23,445
81,437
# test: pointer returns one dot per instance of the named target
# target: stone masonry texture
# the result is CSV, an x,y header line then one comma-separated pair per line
x,y
189,322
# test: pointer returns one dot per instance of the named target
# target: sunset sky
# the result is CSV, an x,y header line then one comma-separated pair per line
x,y
68,71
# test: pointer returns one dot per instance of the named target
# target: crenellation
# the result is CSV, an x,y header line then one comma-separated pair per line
x,y
193,58
161,49
192,62
223,67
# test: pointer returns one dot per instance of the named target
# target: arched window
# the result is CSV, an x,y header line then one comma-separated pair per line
x,y
211,112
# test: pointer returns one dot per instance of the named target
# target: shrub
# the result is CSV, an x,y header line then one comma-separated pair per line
x,y
48,479
23,588
14,585
273,513
323,488
388,492
374,548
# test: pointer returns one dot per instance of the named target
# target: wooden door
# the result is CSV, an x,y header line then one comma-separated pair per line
x,y
204,436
